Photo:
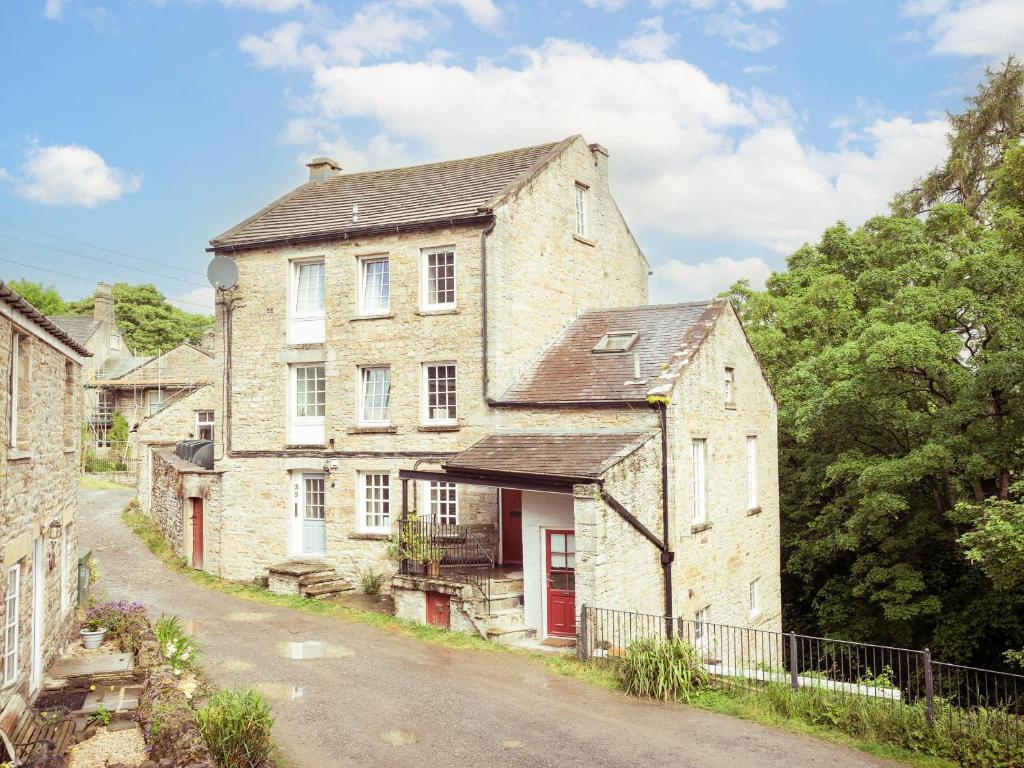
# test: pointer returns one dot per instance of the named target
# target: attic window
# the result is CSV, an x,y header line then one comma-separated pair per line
x,y
615,342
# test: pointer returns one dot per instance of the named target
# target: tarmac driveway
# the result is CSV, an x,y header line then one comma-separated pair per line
x,y
365,696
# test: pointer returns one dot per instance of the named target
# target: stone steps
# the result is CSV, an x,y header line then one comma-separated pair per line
x,y
327,588
307,578
510,636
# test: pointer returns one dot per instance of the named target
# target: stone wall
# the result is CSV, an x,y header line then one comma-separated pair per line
x,y
716,562
174,483
40,486
540,275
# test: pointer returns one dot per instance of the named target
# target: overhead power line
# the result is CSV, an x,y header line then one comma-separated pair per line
x,y
91,281
102,261
92,245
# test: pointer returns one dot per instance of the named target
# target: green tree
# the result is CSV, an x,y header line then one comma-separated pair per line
x,y
151,324
43,297
978,138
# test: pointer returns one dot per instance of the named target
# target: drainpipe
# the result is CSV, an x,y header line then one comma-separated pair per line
x,y
484,233
667,555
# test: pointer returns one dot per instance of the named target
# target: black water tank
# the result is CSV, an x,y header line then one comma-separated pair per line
x,y
204,454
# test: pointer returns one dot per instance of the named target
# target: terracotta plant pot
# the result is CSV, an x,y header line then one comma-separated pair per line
x,y
92,640
434,569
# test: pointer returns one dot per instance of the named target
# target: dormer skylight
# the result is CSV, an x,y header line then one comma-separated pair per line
x,y
615,342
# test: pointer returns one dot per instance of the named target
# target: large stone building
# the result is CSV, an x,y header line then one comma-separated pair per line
x,y
41,403
470,341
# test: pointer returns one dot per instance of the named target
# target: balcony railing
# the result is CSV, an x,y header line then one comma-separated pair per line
x,y
443,550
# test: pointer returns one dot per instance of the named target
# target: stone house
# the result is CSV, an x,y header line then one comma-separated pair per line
x,y
470,341
41,403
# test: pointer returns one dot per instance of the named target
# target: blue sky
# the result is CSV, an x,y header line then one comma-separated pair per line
x,y
737,129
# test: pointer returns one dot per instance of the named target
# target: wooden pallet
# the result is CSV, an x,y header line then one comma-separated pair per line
x,y
41,733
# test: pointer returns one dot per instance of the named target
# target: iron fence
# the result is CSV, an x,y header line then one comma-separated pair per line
x,y
961,700
448,551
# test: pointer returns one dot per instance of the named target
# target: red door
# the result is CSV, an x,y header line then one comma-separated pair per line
x,y
561,582
511,527
197,534
438,610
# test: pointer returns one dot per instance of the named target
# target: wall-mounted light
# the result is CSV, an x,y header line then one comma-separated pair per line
x,y
53,530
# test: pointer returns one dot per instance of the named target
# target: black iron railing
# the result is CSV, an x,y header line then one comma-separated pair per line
x,y
447,551
961,700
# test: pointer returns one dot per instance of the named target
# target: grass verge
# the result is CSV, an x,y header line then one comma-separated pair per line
x,y
602,675
90,483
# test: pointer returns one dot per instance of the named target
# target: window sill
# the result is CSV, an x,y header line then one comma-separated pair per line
x,y
438,311
753,511
70,449
700,528
584,240
382,316
291,446
16,455
381,430
370,536
730,406
439,427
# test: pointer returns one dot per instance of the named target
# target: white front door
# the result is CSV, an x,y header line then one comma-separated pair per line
x,y
38,613
308,524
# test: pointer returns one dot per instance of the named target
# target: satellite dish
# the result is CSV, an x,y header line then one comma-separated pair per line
x,y
222,273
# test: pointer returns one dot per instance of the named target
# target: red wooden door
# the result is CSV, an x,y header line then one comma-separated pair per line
x,y
438,610
197,534
511,527
560,550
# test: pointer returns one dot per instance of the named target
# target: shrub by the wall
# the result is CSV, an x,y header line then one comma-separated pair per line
x,y
237,727
169,725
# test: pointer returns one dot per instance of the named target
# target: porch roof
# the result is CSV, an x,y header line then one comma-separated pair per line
x,y
571,456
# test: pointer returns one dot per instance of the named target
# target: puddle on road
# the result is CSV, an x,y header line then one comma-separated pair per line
x,y
313,649
398,738
512,744
247,616
280,691
236,665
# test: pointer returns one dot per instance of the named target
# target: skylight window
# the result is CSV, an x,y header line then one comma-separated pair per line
x,y
615,342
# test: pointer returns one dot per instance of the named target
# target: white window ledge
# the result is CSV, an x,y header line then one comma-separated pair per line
x,y
584,240
15,455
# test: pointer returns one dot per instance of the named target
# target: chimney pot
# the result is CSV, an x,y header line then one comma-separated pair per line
x,y
103,303
322,168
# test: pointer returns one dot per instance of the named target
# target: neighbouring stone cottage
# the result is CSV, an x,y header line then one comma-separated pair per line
x,y
41,407
470,340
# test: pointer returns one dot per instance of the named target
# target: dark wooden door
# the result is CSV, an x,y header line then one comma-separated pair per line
x,y
511,527
560,559
197,534
438,610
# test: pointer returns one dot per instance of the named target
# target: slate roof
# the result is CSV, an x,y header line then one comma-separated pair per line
x,y
15,300
79,327
391,199
570,371
116,368
577,455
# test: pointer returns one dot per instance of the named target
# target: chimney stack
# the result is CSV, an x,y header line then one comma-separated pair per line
x,y
600,159
322,168
103,304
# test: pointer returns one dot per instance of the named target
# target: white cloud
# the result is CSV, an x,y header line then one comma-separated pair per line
x,y
739,33
54,9
651,41
194,301
608,5
373,32
71,175
282,47
988,28
690,282
4,175
690,156
270,6
758,69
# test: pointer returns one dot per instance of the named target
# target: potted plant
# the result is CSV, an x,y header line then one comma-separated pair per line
x,y
432,555
415,545
92,633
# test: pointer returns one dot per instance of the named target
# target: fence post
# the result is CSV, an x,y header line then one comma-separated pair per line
x,y
794,681
929,688
582,652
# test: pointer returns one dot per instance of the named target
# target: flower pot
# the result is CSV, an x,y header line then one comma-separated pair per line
x,y
92,639
434,569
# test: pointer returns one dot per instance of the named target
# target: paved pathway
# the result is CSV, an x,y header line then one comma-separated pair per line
x,y
381,699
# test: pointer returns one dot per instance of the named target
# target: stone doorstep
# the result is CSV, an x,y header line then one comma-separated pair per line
x,y
510,636
310,579
298,568
331,587
506,587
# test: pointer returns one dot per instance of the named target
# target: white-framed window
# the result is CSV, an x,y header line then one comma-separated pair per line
x,y
701,630
115,342
438,280
443,502
12,388
374,285
308,405
11,634
730,385
374,396
615,342
154,401
755,596
699,460
440,393
582,210
204,425
306,301
752,500
374,502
